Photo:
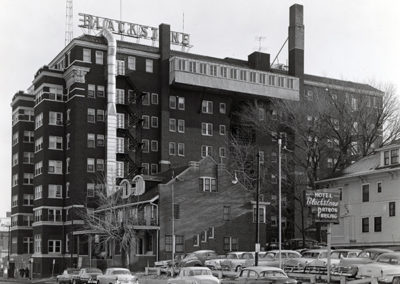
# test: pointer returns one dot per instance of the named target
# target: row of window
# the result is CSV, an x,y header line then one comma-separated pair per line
x,y
53,246
365,190
22,114
391,157
147,98
26,220
27,200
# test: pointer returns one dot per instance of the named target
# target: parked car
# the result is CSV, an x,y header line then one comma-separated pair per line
x,y
260,275
191,275
311,261
386,268
117,276
68,275
87,276
197,258
271,258
243,259
165,265
349,266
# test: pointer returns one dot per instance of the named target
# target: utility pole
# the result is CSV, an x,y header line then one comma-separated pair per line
x,y
279,200
173,223
257,246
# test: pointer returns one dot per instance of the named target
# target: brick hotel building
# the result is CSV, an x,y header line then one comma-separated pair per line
x,y
168,108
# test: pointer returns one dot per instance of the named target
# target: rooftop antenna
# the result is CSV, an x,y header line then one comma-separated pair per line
x,y
120,15
183,27
260,39
69,21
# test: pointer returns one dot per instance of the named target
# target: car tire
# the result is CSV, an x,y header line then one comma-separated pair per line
x,y
396,281
238,268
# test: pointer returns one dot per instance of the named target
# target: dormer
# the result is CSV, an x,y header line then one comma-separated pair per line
x,y
389,155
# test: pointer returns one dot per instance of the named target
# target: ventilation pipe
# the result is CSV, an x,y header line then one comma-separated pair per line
x,y
111,132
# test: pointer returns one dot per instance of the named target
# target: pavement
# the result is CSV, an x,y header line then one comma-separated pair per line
x,y
50,280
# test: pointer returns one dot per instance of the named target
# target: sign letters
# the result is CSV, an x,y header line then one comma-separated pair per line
x,y
325,203
130,29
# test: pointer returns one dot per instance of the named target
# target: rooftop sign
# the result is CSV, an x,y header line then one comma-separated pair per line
x,y
130,29
325,203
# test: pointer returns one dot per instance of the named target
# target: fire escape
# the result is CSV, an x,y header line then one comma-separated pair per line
x,y
132,133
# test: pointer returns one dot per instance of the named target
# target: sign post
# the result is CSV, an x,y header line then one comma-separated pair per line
x,y
325,203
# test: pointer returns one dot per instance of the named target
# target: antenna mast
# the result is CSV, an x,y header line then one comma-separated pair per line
x,y
69,20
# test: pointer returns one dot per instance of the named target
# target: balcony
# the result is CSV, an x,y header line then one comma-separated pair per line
x,y
233,78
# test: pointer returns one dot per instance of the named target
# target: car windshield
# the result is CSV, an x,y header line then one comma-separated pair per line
x,y
199,272
121,271
390,259
311,254
92,270
231,256
72,271
269,255
273,273
247,256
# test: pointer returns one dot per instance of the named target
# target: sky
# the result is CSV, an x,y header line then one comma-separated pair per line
x,y
355,40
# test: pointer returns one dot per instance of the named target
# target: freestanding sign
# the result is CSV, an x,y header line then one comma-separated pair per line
x,y
325,203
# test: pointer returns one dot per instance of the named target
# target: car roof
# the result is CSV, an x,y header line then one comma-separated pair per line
x,y
283,250
315,250
195,268
259,269
203,251
377,250
117,268
339,250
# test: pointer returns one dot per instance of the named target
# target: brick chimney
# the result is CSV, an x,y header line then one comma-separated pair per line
x,y
296,41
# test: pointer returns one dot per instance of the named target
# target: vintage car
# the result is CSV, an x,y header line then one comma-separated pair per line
x,y
386,268
312,261
87,276
217,264
197,258
244,259
191,275
117,276
271,258
165,265
260,275
68,276
349,266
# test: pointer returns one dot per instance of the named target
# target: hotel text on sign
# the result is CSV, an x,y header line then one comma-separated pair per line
x,y
325,203
130,29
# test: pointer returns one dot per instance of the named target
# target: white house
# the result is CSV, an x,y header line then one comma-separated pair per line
x,y
370,197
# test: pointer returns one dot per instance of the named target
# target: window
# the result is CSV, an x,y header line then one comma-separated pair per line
x,y
386,158
38,192
99,57
146,99
392,209
90,165
27,220
192,66
120,67
206,151
181,149
100,115
121,120
365,225
149,65
394,156
154,121
55,191
196,240
100,140
222,108
207,107
233,73
223,71
91,91
379,187
100,91
261,114
145,169
55,118
172,102
172,148
38,168
91,112
181,103
55,142
271,80
120,96
227,213
154,98
365,192
261,214
27,244
243,75
154,169
203,69
28,157
181,126
213,70
38,215
206,129
15,159
222,129
222,152
38,144
39,120
154,145
168,243
15,138
100,165
90,190
28,137
120,145
378,224
14,201
28,199
28,178
131,63
55,167
91,143
120,169
208,184
38,243
274,179
54,246
145,146
172,124
87,55
281,81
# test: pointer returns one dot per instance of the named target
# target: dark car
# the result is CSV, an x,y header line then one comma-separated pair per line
x,y
68,276
87,276
261,275
197,258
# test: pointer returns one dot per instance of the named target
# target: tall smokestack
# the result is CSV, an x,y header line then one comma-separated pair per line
x,y
296,41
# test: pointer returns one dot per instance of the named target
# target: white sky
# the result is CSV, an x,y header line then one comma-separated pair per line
x,y
356,40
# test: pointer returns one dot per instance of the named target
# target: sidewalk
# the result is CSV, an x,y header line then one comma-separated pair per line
x,y
26,280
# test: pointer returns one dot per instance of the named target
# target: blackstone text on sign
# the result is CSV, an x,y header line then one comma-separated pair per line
x,y
130,29
325,204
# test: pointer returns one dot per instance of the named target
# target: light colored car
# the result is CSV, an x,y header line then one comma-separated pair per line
x,y
218,263
243,259
87,276
117,276
271,258
261,275
68,276
191,275
312,261
386,268
197,258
